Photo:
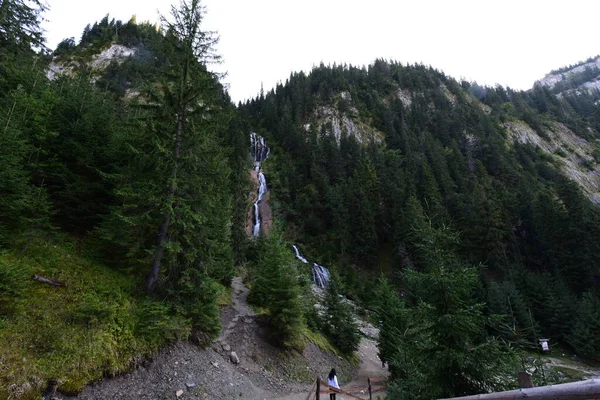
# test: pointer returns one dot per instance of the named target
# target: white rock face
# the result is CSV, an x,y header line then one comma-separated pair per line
x,y
448,94
99,62
115,52
405,97
340,122
551,80
56,69
592,85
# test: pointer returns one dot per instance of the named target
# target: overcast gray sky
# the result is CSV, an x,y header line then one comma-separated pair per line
x,y
510,42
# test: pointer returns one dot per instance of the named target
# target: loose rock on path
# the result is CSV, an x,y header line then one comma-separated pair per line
x,y
240,364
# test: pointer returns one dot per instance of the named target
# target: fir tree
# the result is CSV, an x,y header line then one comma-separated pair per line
x,y
585,335
181,95
448,343
276,287
338,321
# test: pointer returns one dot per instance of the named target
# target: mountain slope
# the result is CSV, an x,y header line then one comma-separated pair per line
x,y
487,176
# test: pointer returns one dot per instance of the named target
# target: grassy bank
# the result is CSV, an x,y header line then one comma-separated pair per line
x,y
97,324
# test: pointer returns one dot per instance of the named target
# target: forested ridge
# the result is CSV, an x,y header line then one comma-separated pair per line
x,y
481,242
129,184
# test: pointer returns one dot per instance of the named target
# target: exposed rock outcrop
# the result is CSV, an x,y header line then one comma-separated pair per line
x,y
335,122
98,62
266,214
554,78
571,151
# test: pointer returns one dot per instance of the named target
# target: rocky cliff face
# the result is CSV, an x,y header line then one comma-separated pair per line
x,y
335,119
98,62
572,152
585,75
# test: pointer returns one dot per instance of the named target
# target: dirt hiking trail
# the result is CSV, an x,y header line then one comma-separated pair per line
x,y
240,364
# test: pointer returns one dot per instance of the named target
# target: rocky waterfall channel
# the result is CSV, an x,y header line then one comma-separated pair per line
x,y
261,215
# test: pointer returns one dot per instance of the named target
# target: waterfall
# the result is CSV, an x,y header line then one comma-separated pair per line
x,y
320,274
298,256
260,152
262,186
256,227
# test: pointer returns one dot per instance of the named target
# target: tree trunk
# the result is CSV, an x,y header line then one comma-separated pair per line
x,y
164,227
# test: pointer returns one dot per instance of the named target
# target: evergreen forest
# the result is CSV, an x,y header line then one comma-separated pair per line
x,y
128,187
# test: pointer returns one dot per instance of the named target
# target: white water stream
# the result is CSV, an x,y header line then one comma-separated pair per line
x,y
260,152
320,274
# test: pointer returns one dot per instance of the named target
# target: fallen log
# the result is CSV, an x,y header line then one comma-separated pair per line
x,y
49,281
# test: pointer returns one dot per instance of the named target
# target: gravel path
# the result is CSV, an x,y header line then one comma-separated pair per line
x,y
257,371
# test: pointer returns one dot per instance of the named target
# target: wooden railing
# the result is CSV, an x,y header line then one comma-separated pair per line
x,y
320,387
584,390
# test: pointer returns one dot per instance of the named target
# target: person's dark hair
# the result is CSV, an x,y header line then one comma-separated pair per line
x,y
331,373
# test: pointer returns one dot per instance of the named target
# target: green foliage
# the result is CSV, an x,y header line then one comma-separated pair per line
x,y
82,159
25,108
392,320
585,335
511,316
445,153
94,326
338,321
177,178
276,287
198,295
160,323
445,342
20,26
12,282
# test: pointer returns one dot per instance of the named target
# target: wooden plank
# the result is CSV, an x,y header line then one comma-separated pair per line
x,y
524,380
336,390
584,390
318,396
311,391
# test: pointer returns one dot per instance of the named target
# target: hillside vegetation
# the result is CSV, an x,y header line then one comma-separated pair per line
x,y
462,218
136,205
463,205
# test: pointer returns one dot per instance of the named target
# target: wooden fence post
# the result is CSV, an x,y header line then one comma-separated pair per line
x,y
318,388
524,380
370,393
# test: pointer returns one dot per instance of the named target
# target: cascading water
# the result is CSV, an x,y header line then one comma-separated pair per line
x,y
260,152
320,274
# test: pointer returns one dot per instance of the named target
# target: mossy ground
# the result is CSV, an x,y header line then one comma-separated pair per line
x,y
97,324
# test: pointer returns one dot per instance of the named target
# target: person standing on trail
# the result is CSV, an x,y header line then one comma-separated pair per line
x,y
332,382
